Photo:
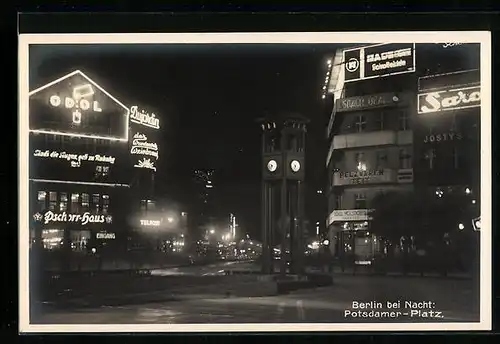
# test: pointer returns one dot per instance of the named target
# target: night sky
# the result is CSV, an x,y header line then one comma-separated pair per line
x,y
208,98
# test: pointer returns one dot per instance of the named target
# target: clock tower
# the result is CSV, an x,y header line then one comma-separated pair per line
x,y
283,162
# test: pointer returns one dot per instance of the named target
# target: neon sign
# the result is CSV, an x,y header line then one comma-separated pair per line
x,y
151,223
62,106
461,98
141,146
84,218
74,159
144,118
146,163
77,102
105,235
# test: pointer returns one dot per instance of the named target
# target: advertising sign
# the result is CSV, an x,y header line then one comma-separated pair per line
x,y
144,118
366,102
361,177
349,215
74,105
64,217
144,152
379,60
451,99
74,159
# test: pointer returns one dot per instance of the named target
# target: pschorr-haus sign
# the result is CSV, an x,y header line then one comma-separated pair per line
x,y
349,215
367,102
379,60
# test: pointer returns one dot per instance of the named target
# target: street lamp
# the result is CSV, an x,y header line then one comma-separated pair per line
x,y
170,219
212,231
461,226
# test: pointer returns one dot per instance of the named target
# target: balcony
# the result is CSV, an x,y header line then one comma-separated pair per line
x,y
375,138
384,176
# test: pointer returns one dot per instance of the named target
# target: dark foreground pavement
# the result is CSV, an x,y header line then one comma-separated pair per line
x,y
450,300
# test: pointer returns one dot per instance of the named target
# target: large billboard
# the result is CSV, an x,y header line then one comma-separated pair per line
x,y
74,105
379,60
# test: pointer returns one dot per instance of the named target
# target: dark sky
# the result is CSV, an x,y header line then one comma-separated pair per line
x,y
208,97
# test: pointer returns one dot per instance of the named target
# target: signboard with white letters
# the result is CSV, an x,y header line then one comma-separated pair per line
x,y
145,152
366,102
105,235
448,100
74,159
144,118
362,177
379,60
150,223
349,215
64,217
74,105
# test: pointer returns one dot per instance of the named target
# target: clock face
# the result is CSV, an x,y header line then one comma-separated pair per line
x,y
272,165
295,165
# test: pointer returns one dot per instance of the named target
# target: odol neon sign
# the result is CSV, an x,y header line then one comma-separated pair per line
x,y
77,102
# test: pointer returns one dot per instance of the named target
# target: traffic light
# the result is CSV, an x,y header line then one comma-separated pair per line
x,y
272,166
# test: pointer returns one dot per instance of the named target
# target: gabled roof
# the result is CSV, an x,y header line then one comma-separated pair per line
x,y
76,72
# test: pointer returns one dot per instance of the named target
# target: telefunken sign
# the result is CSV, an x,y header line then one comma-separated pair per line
x,y
379,60
349,215
143,118
366,102
83,219
447,100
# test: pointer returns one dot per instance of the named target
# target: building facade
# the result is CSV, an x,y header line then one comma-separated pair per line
x,y
78,166
370,140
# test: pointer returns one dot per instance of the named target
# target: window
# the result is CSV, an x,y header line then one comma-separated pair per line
x,y
359,158
102,171
63,204
105,204
456,158
360,201
430,156
144,205
379,121
42,204
79,240
338,202
360,123
53,200
381,160
95,202
151,205
105,171
52,238
405,158
75,203
85,202
404,120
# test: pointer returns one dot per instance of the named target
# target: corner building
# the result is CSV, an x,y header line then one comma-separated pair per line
x,y
370,140
79,171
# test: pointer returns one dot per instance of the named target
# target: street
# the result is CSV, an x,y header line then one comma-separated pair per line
x,y
453,300
202,270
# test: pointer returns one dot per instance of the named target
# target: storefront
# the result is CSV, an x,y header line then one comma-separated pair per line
x,y
349,235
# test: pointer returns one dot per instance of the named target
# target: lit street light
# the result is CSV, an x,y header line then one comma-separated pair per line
x,y
461,226
212,231
170,219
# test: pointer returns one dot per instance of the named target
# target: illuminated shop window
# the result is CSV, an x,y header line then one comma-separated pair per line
x,y
151,205
75,203
53,200
105,204
52,239
42,198
85,202
102,171
63,204
96,202
404,120
79,240
360,200
405,158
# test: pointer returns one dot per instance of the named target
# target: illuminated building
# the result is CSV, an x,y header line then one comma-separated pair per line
x,y
78,165
370,139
